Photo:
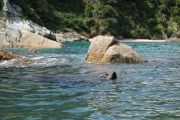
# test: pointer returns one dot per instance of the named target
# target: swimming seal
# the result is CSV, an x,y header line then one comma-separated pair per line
x,y
108,76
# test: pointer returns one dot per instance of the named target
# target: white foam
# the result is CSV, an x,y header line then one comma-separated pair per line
x,y
7,63
37,58
46,60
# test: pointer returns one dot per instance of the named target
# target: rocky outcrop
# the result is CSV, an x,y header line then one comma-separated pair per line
x,y
69,36
27,25
4,55
12,27
14,20
106,49
16,32
33,41
14,38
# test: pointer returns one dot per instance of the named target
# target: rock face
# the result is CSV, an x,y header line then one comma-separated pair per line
x,y
27,25
13,36
33,41
14,20
105,49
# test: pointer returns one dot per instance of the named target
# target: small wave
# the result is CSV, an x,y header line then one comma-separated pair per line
x,y
37,58
56,59
46,60
8,63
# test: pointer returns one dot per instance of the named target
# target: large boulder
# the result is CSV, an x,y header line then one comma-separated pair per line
x,y
33,41
121,53
98,47
106,49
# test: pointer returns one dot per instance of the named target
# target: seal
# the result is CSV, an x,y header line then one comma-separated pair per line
x,y
108,76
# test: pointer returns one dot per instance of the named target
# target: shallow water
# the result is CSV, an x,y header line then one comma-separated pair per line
x,y
59,85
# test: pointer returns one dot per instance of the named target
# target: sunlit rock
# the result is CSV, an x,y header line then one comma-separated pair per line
x,y
4,55
106,49
121,53
33,41
98,47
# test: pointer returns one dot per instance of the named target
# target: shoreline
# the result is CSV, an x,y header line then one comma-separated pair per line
x,y
149,40
142,40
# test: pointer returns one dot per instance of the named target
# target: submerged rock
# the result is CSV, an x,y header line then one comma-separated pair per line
x,y
4,55
106,49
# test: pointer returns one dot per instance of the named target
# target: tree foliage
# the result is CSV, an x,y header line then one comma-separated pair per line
x,y
1,4
122,18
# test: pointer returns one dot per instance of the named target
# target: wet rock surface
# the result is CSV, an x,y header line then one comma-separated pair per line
x,y
4,55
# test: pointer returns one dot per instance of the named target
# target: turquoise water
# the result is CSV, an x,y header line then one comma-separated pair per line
x,y
59,85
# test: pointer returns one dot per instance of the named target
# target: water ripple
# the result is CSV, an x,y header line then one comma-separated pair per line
x,y
60,86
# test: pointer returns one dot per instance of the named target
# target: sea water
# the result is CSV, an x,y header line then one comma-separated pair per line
x,y
60,85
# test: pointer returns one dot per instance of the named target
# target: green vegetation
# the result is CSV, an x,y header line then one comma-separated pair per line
x,y
1,4
121,18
